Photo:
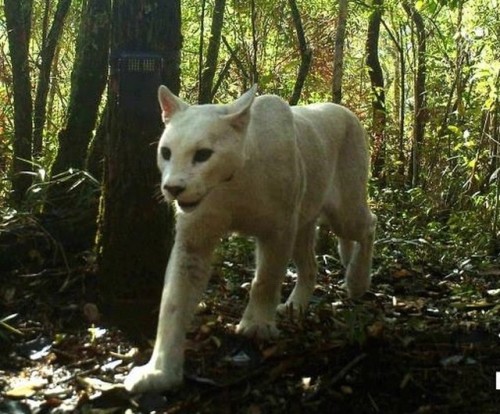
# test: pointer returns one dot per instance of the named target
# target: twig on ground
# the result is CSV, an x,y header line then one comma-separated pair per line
x,y
343,372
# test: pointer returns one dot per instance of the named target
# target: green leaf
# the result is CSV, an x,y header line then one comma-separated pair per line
x,y
454,129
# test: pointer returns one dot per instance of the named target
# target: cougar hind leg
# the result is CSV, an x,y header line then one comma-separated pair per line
x,y
358,271
356,237
345,248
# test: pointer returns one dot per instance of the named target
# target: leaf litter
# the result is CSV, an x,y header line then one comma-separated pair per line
x,y
419,341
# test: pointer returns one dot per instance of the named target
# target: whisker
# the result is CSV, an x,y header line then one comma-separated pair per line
x,y
155,142
158,196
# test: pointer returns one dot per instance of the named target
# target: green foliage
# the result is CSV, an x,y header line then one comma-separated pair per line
x,y
73,181
59,86
456,206
274,52
417,230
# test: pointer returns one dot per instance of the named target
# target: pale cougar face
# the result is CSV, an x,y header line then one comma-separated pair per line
x,y
201,147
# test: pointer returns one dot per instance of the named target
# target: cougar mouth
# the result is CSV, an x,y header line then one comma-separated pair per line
x,y
187,207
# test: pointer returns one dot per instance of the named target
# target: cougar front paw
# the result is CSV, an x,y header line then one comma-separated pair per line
x,y
291,309
147,378
357,288
252,329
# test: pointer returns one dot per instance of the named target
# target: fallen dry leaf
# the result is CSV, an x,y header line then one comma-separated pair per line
x,y
26,388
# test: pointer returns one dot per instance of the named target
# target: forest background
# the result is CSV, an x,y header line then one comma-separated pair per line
x,y
422,76
83,231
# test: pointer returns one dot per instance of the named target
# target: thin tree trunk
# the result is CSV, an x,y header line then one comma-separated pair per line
x,y
401,110
378,89
419,117
255,43
88,80
338,57
47,57
18,20
222,75
323,239
239,64
399,97
305,54
443,131
495,153
45,22
77,205
135,228
201,46
210,66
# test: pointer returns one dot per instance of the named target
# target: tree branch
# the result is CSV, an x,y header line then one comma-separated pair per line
x,y
305,53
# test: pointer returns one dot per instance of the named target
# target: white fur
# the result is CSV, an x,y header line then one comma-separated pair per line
x,y
273,172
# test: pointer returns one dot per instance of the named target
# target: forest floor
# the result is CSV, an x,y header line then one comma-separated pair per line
x,y
421,341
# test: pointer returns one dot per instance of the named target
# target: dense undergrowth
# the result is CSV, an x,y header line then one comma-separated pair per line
x,y
424,339
417,229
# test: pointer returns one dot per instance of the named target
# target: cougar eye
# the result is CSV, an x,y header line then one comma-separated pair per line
x,y
166,153
202,155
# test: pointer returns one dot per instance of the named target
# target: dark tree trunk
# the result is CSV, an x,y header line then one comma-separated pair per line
x,y
208,72
47,53
324,243
74,198
419,116
88,81
255,44
201,46
135,227
400,99
338,57
305,54
378,91
18,20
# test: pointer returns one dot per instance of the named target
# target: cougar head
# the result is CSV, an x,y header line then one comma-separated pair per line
x,y
201,146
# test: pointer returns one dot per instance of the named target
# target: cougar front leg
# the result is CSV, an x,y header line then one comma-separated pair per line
x,y
185,280
259,318
359,268
307,268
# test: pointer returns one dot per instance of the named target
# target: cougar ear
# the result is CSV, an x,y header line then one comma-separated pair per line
x,y
238,112
169,103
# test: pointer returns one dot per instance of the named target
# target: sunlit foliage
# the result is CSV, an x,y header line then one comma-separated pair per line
x,y
459,155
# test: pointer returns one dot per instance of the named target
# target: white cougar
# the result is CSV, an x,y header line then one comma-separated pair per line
x,y
262,168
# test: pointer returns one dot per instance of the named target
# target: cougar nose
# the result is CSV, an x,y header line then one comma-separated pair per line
x,y
174,190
